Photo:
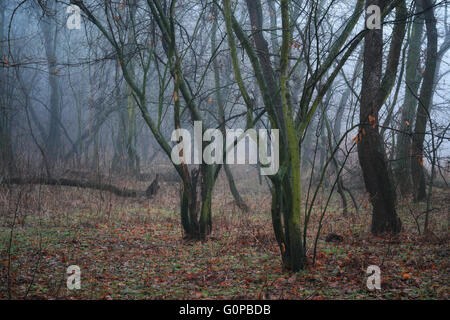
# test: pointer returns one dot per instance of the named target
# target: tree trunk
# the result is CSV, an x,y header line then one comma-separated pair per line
x,y
197,197
50,32
286,191
425,102
294,254
121,192
286,226
375,89
413,79
221,105
6,151
234,191
126,157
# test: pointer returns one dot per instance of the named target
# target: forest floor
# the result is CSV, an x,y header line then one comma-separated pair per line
x,y
133,249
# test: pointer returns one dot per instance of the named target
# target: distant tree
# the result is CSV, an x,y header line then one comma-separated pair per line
x,y
50,32
7,164
425,100
413,79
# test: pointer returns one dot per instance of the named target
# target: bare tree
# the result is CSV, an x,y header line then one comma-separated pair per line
x,y
425,102
376,87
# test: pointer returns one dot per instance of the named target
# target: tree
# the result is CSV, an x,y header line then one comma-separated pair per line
x,y
220,93
6,150
412,80
375,89
125,155
197,184
291,123
49,30
425,101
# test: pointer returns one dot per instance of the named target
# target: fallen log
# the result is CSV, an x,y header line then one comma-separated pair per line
x,y
122,192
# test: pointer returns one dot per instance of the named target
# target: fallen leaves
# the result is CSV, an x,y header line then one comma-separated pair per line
x,y
135,253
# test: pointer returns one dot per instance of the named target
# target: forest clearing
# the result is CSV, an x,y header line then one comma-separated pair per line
x,y
131,249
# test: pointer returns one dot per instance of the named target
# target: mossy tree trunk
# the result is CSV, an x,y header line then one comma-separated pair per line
x,y
276,94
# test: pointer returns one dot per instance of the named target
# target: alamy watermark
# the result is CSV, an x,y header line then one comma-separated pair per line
x,y
74,20
373,20
235,151
374,279
74,277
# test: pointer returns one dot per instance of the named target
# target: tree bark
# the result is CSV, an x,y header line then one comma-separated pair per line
x,y
7,165
425,102
375,89
413,79
196,200
50,32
